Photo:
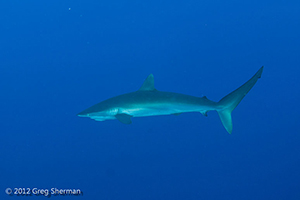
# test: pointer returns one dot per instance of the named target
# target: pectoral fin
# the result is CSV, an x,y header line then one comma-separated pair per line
x,y
124,118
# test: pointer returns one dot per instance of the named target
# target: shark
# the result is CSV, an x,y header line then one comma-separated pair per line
x,y
148,101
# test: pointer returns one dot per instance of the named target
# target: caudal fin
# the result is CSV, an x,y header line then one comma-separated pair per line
x,y
229,102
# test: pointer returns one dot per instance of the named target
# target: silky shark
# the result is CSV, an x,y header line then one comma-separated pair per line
x,y
148,101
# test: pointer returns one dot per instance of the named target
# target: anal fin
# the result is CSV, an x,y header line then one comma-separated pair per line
x,y
204,113
176,114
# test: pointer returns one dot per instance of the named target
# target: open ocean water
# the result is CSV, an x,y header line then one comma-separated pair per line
x,y
61,57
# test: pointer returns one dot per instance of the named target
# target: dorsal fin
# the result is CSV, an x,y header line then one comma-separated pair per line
x,y
148,84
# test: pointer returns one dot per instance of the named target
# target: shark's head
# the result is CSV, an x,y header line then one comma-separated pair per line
x,y
121,107
99,112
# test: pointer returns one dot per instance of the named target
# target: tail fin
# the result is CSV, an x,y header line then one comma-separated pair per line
x,y
229,102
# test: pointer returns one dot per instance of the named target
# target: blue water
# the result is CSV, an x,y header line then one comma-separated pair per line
x,y
61,57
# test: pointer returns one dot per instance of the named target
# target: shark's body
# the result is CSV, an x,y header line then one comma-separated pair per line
x,y
148,101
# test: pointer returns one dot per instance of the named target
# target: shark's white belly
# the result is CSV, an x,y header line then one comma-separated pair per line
x,y
143,111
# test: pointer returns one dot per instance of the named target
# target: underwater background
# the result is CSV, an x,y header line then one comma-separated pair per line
x,y
61,57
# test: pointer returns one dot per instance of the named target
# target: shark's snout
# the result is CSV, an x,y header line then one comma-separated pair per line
x,y
83,114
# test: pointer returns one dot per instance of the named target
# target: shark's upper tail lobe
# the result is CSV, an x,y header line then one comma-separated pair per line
x,y
230,101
